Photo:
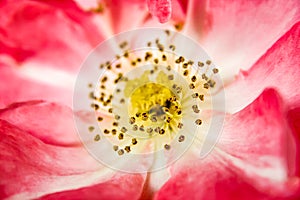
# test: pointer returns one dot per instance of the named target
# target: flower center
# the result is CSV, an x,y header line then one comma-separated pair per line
x,y
148,98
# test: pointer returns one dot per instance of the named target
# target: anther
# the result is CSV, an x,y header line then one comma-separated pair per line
x,y
194,79
127,149
186,72
100,119
167,147
121,152
192,86
117,117
114,131
200,64
149,130
180,125
106,131
123,130
195,95
171,77
115,148
132,120
195,109
198,121
162,131
181,138
134,141
91,128
97,138
142,128
121,136
215,70
208,62
201,97
135,127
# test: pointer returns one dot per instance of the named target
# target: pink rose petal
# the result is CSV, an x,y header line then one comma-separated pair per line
x,y
52,123
236,33
278,68
15,87
249,162
127,187
30,167
55,33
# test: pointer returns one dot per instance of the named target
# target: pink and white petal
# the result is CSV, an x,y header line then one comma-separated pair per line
x,y
128,186
278,68
249,162
52,123
236,33
30,168
43,31
31,83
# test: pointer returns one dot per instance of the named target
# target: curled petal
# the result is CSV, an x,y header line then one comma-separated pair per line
x,y
278,68
161,9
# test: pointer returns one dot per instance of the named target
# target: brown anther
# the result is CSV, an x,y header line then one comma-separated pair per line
x,y
145,117
91,129
181,138
97,138
117,117
178,26
104,79
215,70
167,147
118,66
121,152
122,101
153,119
149,44
102,87
135,127
206,85
157,129
179,112
149,130
99,119
195,109
133,63
162,131
186,72
118,56
118,90
123,130
194,78
142,128
167,32
108,67
180,125
174,86
132,120
114,131
126,54
190,62
115,123
211,83
169,119
121,136
172,47
101,66
134,141
127,149
208,62
200,64
164,57
115,148
192,86
160,47
171,77
110,110
156,61
201,97
198,121
169,68
204,77
148,55
137,114
106,131
179,60
185,65
90,85
195,95
139,60
123,44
